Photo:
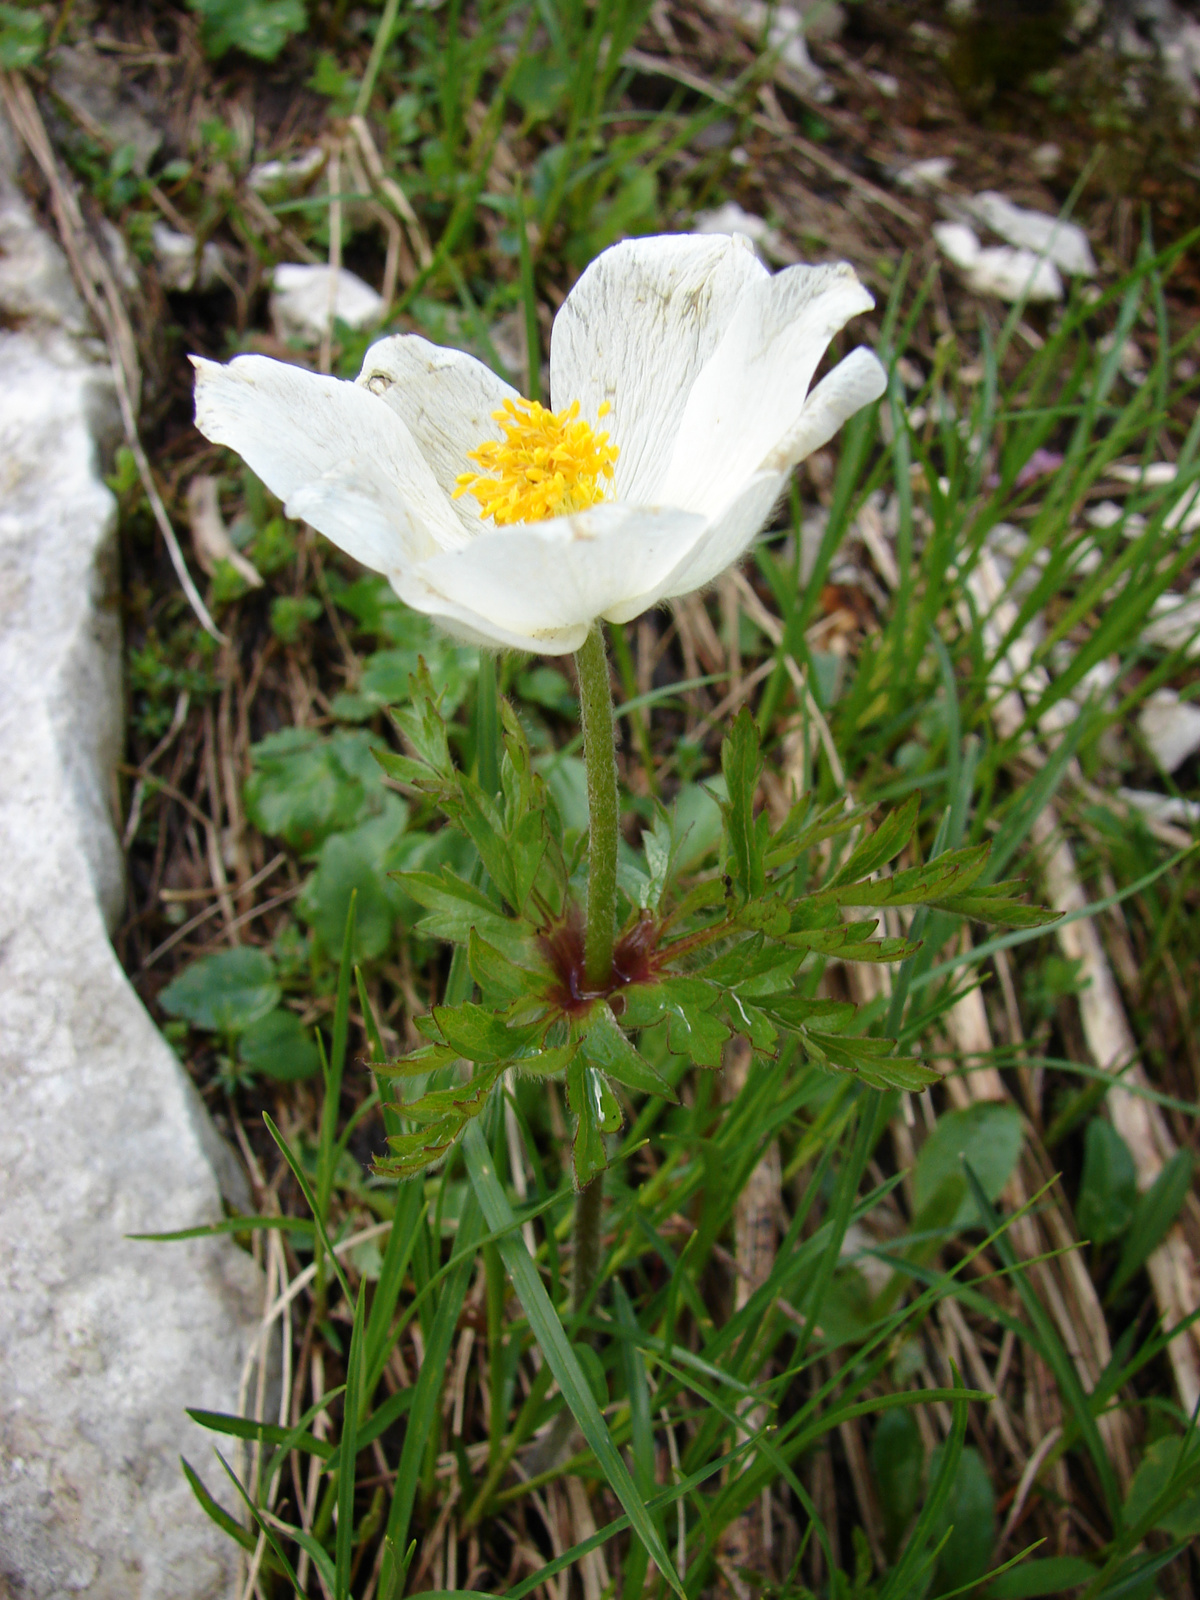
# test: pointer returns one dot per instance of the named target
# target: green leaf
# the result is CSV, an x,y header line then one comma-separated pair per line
x,y
995,903
543,686
687,1004
606,1047
1033,1579
969,1517
259,28
279,1046
306,1189
1156,1211
769,914
988,1136
358,863
879,847
869,1059
387,674
951,873
498,977
290,612
461,1100
753,967
215,1510
696,823
555,1346
303,785
802,829
266,1432
1108,1187
794,1011
481,1035
586,1092
852,941
741,763
1169,1469
455,907
348,1451
225,992
423,725
660,847
898,1463
22,37
427,1398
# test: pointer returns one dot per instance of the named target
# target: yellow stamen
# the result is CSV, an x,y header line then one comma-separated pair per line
x,y
549,463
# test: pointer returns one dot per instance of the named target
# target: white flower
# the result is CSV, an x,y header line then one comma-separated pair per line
x,y
681,356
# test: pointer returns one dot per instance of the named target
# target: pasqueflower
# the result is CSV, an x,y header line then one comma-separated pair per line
x,y
680,372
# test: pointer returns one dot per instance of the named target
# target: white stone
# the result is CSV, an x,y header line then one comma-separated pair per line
x,y
175,255
920,176
783,27
1106,514
103,1340
301,301
1162,807
1061,242
1170,727
731,218
1151,476
93,84
958,243
1175,623
276,179
1000,270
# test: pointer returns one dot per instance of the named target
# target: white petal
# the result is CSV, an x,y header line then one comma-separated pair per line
x,y
723,542
636,330
445,398
537,578
472,628
855,382
751,393
320,444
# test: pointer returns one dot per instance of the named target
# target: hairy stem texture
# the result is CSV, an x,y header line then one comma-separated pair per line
x,y
604,814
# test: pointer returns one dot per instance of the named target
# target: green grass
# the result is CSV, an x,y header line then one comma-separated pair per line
x,y
837,1389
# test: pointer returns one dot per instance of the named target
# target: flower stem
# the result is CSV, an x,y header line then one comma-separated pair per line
x,y
599,754
604,815
589,1207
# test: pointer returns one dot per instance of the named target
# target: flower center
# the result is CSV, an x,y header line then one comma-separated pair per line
x,y
548,463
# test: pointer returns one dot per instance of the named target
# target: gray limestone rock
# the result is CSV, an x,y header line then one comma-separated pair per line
x,y
103,1340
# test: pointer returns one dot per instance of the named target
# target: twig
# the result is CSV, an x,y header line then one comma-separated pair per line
x,y
388,186
202,917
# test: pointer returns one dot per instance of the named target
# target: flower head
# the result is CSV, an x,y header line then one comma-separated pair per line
x,y
680,369
547,464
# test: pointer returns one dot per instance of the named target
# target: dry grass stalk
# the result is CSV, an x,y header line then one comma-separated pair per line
x,y
744,1545
1172,1267
1064,1285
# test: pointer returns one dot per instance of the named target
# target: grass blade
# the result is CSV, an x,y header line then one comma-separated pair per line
x,y
556,1347
428,1388
348,1452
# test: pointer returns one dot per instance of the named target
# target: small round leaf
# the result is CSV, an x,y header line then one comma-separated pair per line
x,y
225,992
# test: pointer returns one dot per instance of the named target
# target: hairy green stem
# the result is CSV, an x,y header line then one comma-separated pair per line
x,y
604,812
604,816
589,1206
